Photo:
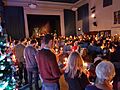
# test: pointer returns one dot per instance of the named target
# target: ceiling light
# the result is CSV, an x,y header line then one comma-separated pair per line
x,y
74,8
32,5
93,15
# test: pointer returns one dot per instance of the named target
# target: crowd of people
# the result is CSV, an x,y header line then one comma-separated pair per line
x,y
49,57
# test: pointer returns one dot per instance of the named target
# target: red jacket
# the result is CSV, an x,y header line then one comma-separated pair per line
x,y
47,66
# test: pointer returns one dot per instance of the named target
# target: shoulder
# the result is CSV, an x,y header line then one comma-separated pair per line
x,y
45,52
92,87
29,48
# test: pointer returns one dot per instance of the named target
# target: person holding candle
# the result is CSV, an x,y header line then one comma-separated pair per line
x,y
47,65
74,73
105,72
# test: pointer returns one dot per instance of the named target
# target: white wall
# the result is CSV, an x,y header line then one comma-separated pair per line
x,y
104,16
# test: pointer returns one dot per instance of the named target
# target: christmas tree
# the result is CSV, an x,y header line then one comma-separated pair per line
x,y
7,67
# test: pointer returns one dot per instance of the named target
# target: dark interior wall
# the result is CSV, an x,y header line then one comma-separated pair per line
x,y
1,17
40,21
14,22
70,24
83,14
1,8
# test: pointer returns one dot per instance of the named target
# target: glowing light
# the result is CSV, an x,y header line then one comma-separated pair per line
x,y
85,64
8,59
0,28
4,44
13,58
1,74
67,38
93,15
7,44
32,5
111,82
2,87
74,38
56,50
70,37
2,57
2,67
13,79
61,48
65,60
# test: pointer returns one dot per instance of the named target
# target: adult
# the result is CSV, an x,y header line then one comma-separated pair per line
x,y
105,72
18,51
31,64
74,75
48,66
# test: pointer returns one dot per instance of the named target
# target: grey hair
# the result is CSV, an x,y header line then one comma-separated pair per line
x,y
105,70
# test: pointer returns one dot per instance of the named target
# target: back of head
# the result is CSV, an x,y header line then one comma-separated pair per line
x,y
48,37
33,41
105,70
75,64
22,39
16,42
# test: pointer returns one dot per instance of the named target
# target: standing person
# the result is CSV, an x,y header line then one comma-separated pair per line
x,y
31,64
48,66
105,72
114,57
18,51
74,75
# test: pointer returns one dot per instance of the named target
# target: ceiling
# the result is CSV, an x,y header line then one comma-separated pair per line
x,y
62,1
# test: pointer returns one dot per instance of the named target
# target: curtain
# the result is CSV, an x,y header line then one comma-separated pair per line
x,y
83,14
14,22
70,24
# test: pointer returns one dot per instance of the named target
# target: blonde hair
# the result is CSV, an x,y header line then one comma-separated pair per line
x,y
75,63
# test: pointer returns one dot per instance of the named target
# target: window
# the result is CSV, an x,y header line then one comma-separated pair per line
x,y
107,3
117,17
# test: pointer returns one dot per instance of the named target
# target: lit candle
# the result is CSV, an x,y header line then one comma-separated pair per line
x,y
56,50
65,60
85,64
13,58
61,48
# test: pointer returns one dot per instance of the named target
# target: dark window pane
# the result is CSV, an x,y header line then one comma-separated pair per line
x,y
115,17
118,17
107,3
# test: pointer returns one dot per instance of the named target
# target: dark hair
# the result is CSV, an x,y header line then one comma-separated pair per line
x,y
33,41
22,39
48,37
16,42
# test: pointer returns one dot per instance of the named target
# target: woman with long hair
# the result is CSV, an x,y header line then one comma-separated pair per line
x,y
74,73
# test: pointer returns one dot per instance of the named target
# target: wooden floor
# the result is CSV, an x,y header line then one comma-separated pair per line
x,y
63,85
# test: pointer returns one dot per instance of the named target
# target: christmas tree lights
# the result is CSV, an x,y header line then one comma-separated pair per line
x,y
7,67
